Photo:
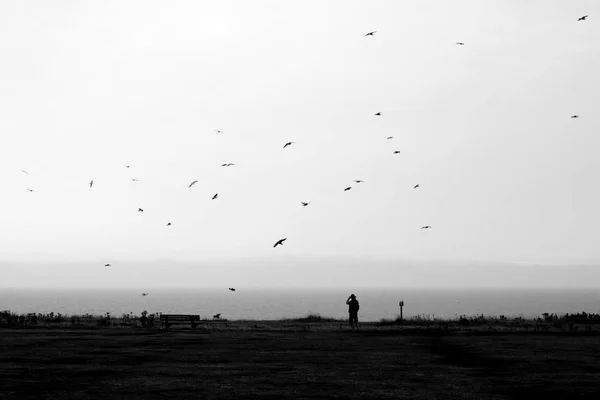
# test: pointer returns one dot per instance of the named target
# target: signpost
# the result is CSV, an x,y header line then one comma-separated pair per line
x,y
401,304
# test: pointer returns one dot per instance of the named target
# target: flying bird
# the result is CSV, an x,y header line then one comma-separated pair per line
x,y
390,137
30,190
279,242
140,210
371,33
359,181
426,227
217,316
218,131
127,166
227,165
575,116
192,184
304,204
135,180
348,188
91,183
288,144
416,186
582,18
107,265
232,289
396,151
25,172
169,224
460,43
215,196
144,294
378,114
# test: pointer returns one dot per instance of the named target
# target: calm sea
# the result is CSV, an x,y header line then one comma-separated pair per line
x,y
275,304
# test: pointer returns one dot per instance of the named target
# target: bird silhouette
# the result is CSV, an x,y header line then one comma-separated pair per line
x,y
144,294
135,180
396,151
169,224
416,186
378,114
359,181
227,165
232,289
371,33
217,316
192,184
582,18
30,190
575,116
279,242
426,227
91,183
305,204
127,166
218,131
215,196
107,265
390,137
288,144
348,188
25,172
460,43
140,210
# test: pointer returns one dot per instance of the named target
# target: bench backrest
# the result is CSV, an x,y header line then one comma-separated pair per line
x,y
179,317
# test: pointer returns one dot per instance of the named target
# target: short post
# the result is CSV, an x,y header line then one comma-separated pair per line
x,y
401,304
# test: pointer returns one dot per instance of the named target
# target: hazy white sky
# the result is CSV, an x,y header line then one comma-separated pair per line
x,y
506,175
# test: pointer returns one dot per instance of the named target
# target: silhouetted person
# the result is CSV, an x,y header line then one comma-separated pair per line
x,y
353,308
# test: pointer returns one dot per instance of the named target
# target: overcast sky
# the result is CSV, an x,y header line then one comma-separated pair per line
x,y
505,175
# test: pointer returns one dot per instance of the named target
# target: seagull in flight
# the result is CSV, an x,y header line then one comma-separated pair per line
x,y
378,114
107,265
582,18
217,316
460,43
416,186
135,180
25,172
30,190
396,151
232,289
390,137
227,165
218,131
279,242
426,227
127,166
215,196
91,183
288,144
169,224
193,183
144,294
304,204
371,33
140,210
575,116
359,181
348,188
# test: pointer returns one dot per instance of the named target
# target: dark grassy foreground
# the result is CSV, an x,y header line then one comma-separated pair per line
x,y
296,361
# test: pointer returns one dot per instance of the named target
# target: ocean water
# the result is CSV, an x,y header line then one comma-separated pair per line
x,y
271,304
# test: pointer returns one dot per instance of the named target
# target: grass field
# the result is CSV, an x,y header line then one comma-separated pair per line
x,y
296,360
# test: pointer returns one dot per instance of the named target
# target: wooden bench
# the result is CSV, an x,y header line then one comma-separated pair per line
x,y
170,319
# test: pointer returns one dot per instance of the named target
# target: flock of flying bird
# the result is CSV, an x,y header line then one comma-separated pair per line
x,y
304,204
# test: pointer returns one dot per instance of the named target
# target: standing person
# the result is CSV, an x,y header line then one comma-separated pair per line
x,y
353,308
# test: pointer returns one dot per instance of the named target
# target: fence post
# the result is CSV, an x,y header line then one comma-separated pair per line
x,y
401,304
